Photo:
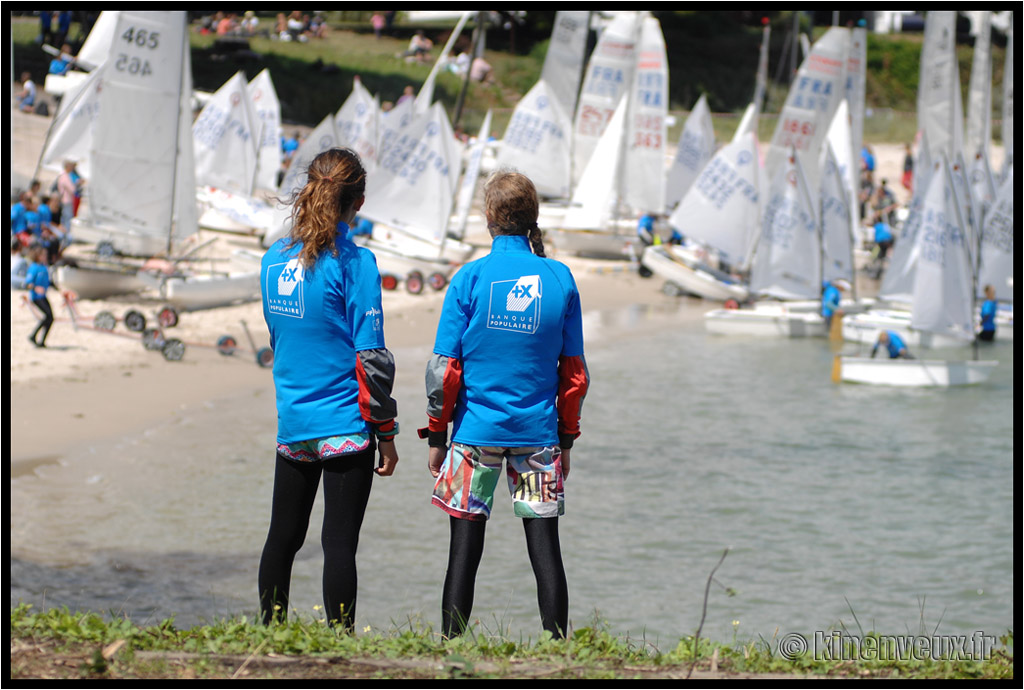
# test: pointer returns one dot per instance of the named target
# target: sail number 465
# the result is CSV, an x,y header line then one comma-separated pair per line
x,y
142,39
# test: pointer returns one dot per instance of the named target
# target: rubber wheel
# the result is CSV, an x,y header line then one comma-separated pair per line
x,y
105,249
388,282
173,350
731,304
644,271
437,281
672,290
226,345
134,321
414,282
168,317
152,339
265,357
104,321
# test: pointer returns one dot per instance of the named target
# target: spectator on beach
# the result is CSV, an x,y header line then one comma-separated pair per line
x,y
419,48
407,93
908,169
333,378
31,229
296,27
67,189
481,71
27,96
37,282
377,22
893,343
46,32
63,20
884,204
317,26
988,315
250,24
493,331
18,214
19,264
289,145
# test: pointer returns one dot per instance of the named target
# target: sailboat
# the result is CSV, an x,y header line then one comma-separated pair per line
x,y
142,193
943,300
622,169
93,53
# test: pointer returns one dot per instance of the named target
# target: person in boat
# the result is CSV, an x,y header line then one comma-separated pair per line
x,y
831,298
37,282
333,377
988,315
892,342
63,63
510,376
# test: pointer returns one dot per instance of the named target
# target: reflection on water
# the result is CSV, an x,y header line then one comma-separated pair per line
x,y
890,504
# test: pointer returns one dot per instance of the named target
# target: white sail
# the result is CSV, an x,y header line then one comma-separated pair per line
x,y
467,189
537,141
96,47
856,79
939,105
414,187
393,124
836,221
840,139
71,134
426,95
982,185
943,300
595,199
226,139
607,80
186,213
696,147
979,92
266,108
642,174
787,263
817,89
137,143
358,124
722,207
996,266
1008,112
563,64
322,138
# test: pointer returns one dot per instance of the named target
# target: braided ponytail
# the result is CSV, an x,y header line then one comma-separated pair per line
x,y
512,207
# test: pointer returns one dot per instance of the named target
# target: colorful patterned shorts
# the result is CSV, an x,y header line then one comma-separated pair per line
x,y
324,448
469,475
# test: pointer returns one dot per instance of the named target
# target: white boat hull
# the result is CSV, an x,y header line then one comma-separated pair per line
x,y
204,292
918,373
99,283
673,267
594,244
765,321
864,328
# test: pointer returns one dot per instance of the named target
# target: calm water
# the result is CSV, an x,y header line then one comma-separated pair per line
x,y
893,505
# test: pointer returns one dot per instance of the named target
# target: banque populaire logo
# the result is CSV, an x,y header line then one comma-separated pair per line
x,y
284,289
515,305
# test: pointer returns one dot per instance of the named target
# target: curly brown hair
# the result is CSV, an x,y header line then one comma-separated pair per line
x,y
335,180
511,206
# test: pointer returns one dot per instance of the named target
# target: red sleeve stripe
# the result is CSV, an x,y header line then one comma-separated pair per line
x,y
452,383
572,389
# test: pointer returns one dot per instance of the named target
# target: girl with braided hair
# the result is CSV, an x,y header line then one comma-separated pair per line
x,y
333,378
508,373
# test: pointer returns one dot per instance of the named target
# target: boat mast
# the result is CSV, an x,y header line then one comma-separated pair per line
x,y
177,136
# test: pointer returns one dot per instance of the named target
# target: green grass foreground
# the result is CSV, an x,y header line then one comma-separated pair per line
x,y
59,644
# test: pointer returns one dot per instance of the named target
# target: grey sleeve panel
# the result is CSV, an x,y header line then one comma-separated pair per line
x,y
378,367
436,368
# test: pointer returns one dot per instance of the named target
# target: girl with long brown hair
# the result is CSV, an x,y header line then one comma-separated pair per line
x,y
333,378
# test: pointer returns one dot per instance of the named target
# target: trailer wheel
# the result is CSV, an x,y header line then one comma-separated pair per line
x,y
265,357
414,282
388,282
437,281
168,317
104,321
644,272
226,345
152,339
134,321
173,350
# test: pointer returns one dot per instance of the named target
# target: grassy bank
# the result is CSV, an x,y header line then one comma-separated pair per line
x,y
60,644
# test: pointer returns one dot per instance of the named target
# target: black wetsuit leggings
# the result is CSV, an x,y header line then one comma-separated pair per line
x,y
465,550
347,481
43,305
